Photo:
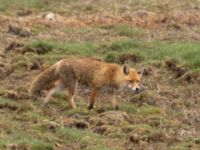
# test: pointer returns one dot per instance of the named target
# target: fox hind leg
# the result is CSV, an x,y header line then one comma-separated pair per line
x,y
57,88
68,77
71,95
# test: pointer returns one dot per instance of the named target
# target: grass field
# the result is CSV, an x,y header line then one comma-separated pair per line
x,y
160,36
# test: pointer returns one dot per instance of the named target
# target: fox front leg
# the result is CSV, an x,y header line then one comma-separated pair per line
x,y
92,98
114,102
70,98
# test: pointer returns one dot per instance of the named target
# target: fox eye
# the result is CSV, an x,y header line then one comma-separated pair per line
x,y
131,81
137,81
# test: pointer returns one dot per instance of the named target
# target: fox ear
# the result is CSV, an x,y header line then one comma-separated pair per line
x,y
125,69
140,72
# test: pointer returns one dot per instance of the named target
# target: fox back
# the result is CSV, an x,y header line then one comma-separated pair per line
x,y
98,74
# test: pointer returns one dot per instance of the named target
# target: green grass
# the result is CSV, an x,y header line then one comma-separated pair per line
x,y
122,45
42,47
129,108
73,134
7,101
187,52
197,140
147,110
126,107
2,90
129,31
81,6
32,116
8,4
21,138
84,137
36,4
145,127
81,48
80,110
187,144
54,50
184,146
141,129
21,62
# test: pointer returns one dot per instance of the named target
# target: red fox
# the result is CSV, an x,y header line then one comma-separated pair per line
x,y
68,73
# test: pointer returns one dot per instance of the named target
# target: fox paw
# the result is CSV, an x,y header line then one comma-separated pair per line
x,y
90,107
116,107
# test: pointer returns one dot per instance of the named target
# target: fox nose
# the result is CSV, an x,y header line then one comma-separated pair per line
x,y
137,89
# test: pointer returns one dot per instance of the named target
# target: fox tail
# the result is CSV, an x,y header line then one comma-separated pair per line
x,y
44,80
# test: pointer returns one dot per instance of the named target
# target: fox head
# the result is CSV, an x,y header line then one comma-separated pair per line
x,y
131,79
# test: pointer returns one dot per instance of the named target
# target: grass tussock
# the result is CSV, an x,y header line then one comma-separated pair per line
x,y
52,51
129,31
147,110
83,48
21,139
86,138
7,101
